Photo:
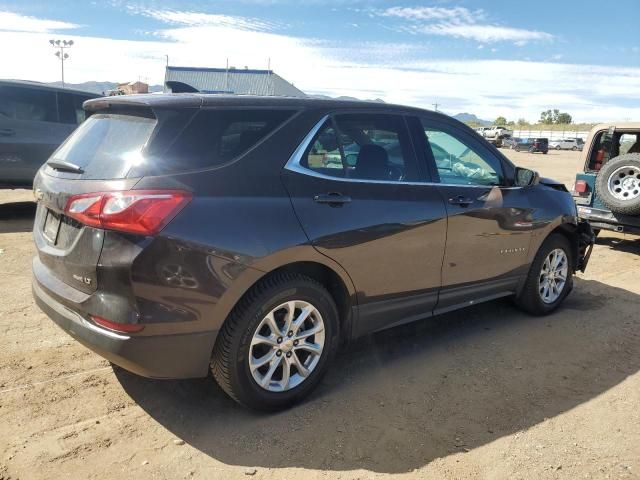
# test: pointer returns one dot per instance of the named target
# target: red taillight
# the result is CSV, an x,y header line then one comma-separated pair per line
x,y
135,211
118,327
581,186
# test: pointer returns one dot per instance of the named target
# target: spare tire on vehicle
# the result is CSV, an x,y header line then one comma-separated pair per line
x,y
618,184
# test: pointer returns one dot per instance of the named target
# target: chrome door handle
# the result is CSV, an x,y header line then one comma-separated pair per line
x,y
460,200
333,199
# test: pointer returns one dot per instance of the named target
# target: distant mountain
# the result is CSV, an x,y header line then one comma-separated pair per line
x,y
99,87
470,117
326,97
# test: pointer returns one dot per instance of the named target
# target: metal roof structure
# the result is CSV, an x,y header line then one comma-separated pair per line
x,y
232,81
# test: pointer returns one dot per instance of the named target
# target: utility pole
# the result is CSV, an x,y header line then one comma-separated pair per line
x,y
435,106
61,46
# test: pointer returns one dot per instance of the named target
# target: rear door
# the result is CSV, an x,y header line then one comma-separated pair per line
x,y
489,221
359,194
29,131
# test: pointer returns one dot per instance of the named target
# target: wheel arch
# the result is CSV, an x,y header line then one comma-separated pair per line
x,y
305,262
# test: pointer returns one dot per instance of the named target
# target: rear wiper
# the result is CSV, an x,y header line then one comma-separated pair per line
x,y
65,166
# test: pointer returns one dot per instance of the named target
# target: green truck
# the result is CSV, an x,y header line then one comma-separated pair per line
x,y
607,191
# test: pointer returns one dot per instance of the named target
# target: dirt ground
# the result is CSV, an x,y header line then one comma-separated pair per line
x,y
487,392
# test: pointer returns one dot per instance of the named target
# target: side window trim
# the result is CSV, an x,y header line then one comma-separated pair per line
x,y
471,142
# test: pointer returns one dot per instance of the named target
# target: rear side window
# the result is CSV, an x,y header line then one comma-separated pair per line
x,y
120,145
215,137
28,104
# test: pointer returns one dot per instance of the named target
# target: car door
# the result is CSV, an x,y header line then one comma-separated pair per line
x,y
489,219
29,131
359,194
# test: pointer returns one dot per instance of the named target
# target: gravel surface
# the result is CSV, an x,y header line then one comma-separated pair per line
x,y
487,392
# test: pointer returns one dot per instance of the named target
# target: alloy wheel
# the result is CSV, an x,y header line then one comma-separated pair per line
x,y
553,276
287,346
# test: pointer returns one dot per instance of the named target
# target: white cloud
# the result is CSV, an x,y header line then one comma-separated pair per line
x,y
455,15
488,88
485,33
13,22
196,19
459,22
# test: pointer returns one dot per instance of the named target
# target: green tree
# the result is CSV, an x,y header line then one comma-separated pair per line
x,y
564,118
500,121
546,117
522,122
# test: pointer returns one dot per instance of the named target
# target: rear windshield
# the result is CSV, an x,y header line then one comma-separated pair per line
x,y
116,145
107,146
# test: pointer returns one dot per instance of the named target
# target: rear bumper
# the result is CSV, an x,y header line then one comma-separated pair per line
x,y
607,220
184,355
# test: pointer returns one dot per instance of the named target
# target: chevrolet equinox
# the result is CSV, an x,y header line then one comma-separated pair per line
x,y
249,236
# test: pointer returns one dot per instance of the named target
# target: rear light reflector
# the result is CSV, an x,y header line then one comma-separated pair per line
x,y
144,212
118,327
581,186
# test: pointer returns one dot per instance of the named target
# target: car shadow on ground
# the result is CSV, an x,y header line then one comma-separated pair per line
x,y
396,400
620,242
17,216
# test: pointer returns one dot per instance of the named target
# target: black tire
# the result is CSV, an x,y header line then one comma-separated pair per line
x,y
230,360
516,148
557,147
575,149
529,298
616,205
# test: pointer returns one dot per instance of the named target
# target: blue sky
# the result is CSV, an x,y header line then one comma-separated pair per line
x,y
490,58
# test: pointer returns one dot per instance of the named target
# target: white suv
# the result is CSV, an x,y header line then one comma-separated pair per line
x,y
567,144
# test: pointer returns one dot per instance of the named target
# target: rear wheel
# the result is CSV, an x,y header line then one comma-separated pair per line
x,y
550,277
277,343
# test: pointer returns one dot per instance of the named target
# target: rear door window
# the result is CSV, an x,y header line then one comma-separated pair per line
x,y
28,104
364,146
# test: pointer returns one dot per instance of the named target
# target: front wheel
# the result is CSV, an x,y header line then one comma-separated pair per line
x,y
550,277
557,147
277,343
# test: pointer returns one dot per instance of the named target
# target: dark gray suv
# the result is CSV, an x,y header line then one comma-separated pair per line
x,y
249,236
34,120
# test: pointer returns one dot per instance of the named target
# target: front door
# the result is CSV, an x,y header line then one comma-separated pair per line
x,y
489,220
356,192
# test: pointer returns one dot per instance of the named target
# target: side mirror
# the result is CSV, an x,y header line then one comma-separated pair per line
x,y
526,177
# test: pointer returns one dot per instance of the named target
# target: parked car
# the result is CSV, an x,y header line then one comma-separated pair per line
x,y
607,191
179,233
567,144
34,120
494,134
510,142
532,145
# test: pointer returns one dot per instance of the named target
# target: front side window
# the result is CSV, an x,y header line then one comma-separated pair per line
x,y
460,163
364,147
28,104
